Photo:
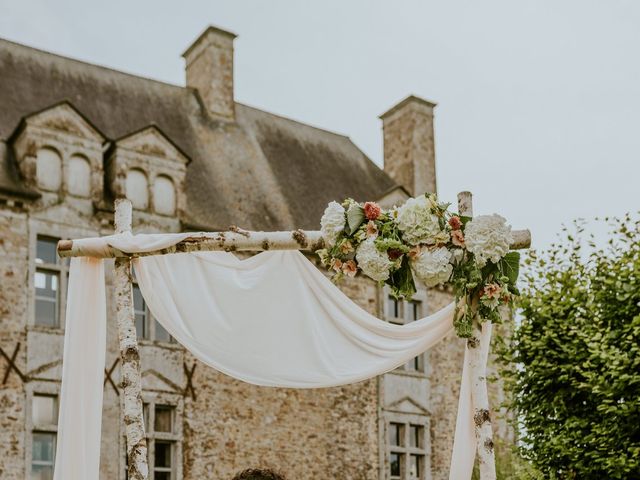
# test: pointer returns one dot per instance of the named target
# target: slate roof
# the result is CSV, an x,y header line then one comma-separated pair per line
x,y
263,172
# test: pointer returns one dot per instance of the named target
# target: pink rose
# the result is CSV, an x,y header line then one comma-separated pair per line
x,y
372,210
455,222
457,238
349,268
336,264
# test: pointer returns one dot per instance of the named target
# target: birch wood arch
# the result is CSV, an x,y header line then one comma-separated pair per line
x,y
240,240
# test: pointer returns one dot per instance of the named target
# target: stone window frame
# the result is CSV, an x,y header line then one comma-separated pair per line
x,y
66,147
61,268
43,228
424,450
149,401
421,369
33,389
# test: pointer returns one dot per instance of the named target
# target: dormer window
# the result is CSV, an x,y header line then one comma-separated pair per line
x,y
137,189
149,169
59,151
48,169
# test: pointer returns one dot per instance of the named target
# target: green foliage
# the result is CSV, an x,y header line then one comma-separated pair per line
x,y
573,366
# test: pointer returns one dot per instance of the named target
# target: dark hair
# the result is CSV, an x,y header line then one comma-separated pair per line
x,y
258,474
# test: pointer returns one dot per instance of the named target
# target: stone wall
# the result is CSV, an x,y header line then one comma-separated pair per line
x,y
13,306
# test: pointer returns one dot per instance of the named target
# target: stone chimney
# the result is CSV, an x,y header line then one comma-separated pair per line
x,y
209,69
409,149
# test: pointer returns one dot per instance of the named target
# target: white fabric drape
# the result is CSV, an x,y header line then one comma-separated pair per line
x,y
273,319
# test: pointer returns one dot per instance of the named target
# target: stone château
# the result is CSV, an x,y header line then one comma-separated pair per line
x,y
75,136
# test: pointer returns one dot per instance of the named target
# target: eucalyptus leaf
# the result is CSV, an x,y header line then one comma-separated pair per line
x,y
355,217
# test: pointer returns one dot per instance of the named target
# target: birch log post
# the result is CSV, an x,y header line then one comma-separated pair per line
x,y
478,346
137,465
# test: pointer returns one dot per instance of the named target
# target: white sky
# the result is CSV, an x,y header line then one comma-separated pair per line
x,y
539,101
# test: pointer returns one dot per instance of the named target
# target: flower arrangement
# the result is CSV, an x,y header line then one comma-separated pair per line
x,y
422,239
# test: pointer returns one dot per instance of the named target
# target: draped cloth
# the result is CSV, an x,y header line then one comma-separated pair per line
x,y
272,319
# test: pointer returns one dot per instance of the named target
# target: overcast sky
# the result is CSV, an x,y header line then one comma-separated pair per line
x,y
539,101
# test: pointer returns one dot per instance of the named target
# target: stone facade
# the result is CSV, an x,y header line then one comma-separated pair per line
x,y
201,423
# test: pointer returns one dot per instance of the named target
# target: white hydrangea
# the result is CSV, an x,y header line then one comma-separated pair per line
x,y
418,224
332,222
488,237
433,266
373,263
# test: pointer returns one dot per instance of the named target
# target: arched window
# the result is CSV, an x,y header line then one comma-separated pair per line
x,y
164,195
48,169
138,189
79,176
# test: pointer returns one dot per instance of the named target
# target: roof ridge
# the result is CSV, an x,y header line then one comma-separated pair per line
x,y
92,64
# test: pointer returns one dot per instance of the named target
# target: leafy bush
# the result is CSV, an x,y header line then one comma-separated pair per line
x,y
573,365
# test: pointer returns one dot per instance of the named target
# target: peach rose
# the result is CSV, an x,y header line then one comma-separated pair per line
x,y
372,229
349,268
492,290
336,264
457,238
346,247
415,252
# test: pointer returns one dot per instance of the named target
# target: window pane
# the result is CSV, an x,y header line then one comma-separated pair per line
x,y
145,416
412,311
161,334
46,250
395,434
415,466
162,475
46,313
395,464
415,435
41,472
141,331
163,454
44,410
138,300
43,447
164,419
393,307
46,285
415,364
140,310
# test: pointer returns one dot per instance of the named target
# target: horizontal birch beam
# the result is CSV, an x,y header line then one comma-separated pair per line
x,y
237,240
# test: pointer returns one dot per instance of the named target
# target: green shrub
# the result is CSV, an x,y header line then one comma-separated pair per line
x,y
573,364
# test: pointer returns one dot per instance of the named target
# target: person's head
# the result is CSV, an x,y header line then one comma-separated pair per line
x,y
258,474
